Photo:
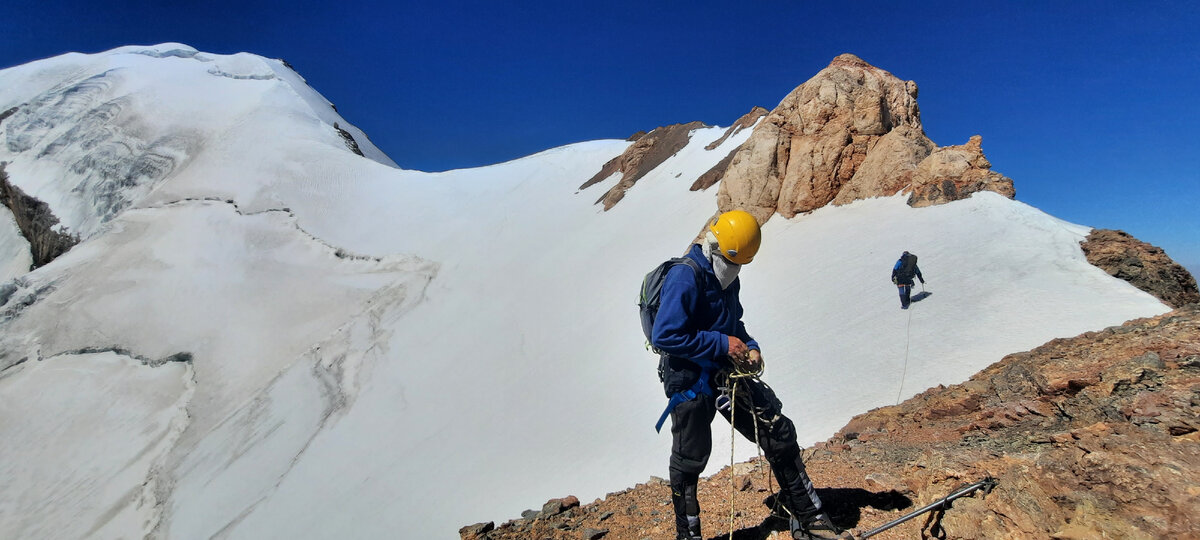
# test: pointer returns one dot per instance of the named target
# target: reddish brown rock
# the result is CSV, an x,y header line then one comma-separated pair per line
x,y
952,173
889,166
803,153
648,152
1145,266
715,174
853,131
746,121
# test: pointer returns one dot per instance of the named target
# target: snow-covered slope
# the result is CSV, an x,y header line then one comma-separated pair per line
x,y
264,335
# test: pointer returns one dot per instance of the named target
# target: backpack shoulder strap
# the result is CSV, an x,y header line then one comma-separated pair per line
x,y
693,264
697,272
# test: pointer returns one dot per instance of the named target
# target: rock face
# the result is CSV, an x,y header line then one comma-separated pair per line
x,y
351,144
1090,437
852,131
648,152
951,173
746,121
36,223
1145,266
1094,436
714,175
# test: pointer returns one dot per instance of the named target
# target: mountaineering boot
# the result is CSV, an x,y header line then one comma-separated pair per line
x,y
686,505
818,527
800,499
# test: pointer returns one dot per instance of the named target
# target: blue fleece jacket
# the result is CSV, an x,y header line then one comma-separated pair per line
x,y
693,322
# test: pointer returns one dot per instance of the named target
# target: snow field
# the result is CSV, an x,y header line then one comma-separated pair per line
x,y
82,434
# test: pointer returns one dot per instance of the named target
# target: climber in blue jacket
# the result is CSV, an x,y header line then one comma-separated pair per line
x,y
699,331
902,276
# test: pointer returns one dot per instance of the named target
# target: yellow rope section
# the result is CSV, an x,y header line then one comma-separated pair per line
x,y
739,373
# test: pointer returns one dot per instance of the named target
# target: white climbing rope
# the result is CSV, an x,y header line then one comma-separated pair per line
x,y
907,339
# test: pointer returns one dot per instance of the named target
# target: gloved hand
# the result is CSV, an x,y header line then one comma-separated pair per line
x,y
751,363
894,282
753,360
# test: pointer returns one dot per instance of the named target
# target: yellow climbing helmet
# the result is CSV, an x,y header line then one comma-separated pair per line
x,y
737,235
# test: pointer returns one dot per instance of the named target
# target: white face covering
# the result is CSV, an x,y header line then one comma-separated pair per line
x,y
726,271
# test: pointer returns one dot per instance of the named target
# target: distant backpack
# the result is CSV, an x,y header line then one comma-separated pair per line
x,y
651,296
908,266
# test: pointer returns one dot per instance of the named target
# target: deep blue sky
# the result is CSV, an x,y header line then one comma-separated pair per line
x,y
1091,107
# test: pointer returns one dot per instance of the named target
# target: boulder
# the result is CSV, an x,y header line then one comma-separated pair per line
x,y
1144,266
478,530
951,173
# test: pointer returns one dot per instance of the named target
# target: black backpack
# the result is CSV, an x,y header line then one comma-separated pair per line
x,y
651,296
908,266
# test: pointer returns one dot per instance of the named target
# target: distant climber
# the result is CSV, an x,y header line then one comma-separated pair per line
x,y
699,334
902,276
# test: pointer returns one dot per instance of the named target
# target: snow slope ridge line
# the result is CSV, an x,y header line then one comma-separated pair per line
x,y
339,252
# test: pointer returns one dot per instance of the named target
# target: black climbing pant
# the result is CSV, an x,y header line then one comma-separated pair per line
x,y
905,295
756,408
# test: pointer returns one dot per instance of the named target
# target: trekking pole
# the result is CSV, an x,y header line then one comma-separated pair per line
x,y
941,504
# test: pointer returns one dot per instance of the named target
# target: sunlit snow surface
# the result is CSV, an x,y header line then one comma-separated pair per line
x,y
380,353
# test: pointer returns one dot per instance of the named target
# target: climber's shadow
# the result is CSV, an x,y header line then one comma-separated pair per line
x,y
921,296
844,506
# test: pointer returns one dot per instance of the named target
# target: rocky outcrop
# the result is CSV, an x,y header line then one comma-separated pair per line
x,y
648,152
715,174
951,173
1096,436
745,122
1090,437
36,223
1144,266
852,131
811,145
348,138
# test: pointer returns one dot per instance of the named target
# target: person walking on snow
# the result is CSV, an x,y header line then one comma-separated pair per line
x,y
700,335
902,276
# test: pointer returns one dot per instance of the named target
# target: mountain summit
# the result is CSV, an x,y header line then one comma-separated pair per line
x,y
853,131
